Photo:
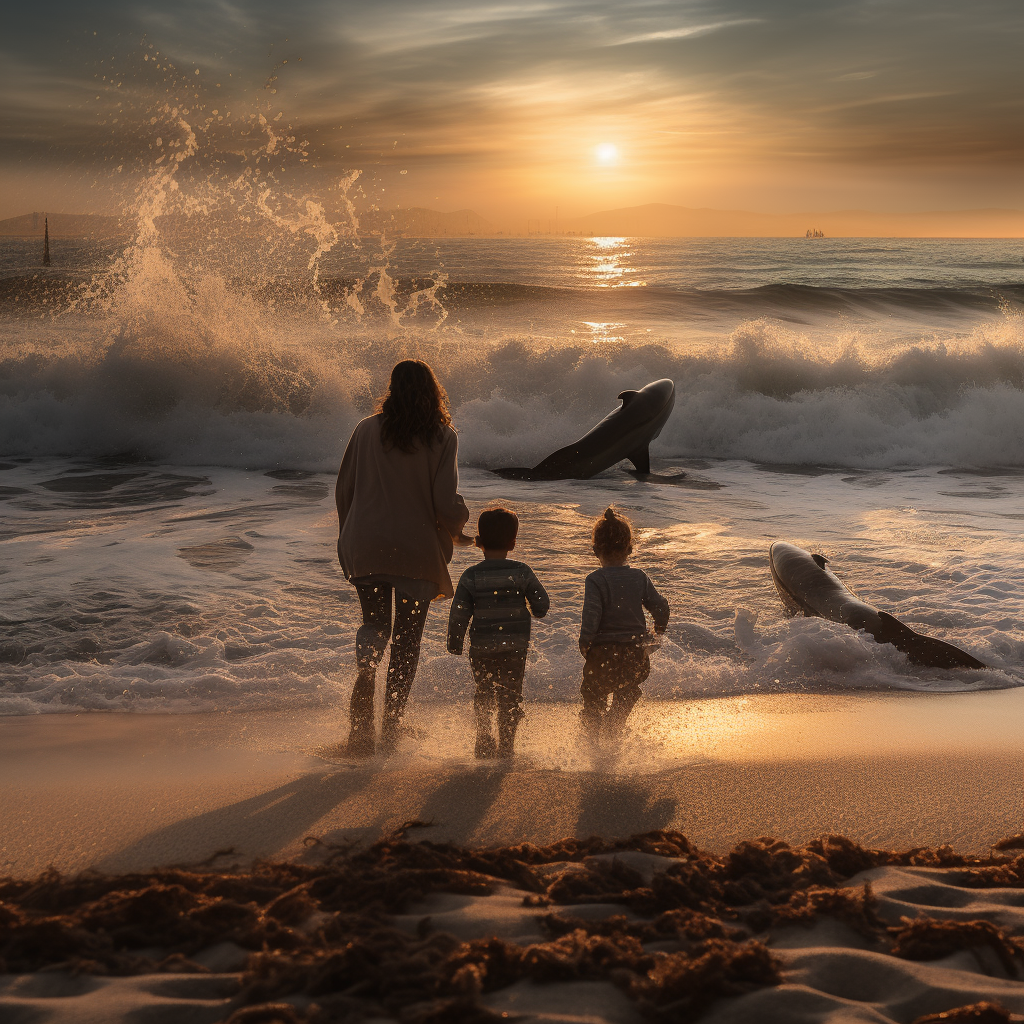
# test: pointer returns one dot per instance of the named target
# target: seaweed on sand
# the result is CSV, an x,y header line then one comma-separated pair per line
x,y
975,1013
321,936
399,975
928,939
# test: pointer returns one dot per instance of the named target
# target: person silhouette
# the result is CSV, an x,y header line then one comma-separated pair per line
x,y
399,516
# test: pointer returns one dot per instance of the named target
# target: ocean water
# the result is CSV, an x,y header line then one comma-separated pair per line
x,y
174,409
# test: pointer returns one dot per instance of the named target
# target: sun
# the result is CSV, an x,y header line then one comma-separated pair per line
x,y
607,154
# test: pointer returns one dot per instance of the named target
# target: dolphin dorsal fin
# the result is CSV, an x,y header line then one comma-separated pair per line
x,y
627,396
892,627
819,560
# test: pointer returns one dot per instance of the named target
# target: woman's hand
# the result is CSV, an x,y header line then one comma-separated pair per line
x,y
462,541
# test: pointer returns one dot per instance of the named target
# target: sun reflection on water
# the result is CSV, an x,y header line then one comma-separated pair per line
x,y
610,264
604,331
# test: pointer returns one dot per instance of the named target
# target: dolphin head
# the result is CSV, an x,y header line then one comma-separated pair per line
x,y
659,397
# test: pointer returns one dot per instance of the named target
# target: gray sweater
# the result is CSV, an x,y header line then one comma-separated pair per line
x,y
614,599
494,593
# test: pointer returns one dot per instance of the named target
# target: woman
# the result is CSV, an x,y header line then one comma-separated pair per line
x,y
400,513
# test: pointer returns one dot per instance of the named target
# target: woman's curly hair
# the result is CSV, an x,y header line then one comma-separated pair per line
x,y
415,408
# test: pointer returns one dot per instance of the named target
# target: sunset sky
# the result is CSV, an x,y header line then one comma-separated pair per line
x,y
768,105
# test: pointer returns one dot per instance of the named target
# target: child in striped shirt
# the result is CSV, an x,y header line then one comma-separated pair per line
x,y
495,594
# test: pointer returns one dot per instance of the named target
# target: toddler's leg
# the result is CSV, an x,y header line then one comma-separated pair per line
x,y
371,639
483,704
410,617
594,690
634,666
509,692
623,701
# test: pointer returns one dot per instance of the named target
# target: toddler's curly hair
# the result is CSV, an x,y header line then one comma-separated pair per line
x,y
613,534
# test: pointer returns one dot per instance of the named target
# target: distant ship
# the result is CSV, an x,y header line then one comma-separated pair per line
x,y
814,233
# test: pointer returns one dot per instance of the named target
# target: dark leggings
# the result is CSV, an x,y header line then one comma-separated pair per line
x,y
499,688
371,640
616,671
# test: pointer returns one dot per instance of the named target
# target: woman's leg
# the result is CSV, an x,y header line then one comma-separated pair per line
x,y
410,617
371,639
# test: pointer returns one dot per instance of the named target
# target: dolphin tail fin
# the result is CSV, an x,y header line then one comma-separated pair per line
x,y
641,458
921,649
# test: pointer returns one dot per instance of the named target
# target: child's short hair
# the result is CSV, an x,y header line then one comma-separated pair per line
x,y
613,533
498,529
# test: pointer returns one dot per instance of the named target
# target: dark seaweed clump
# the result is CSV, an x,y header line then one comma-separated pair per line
x,y
321,936
976,1013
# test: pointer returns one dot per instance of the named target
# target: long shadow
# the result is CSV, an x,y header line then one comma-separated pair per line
x,y
452,808
464,799
614,805
259,825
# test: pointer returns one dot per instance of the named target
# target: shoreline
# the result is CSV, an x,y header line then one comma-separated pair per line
x,y
121,792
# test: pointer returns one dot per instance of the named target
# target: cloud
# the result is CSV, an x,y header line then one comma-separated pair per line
x,y
471,87
684,32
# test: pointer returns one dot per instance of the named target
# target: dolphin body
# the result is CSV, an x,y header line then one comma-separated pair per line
x,y
624,433
808,587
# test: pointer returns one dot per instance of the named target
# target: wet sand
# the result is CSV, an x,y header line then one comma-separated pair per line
x,y
128,792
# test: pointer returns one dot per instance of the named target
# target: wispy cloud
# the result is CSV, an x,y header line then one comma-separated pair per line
x,y
466,94
683,32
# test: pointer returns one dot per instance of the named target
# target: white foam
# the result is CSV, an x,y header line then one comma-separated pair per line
x,y
109,607
289,394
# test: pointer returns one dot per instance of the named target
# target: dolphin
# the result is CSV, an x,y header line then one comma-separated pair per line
x,y
624,433
808,587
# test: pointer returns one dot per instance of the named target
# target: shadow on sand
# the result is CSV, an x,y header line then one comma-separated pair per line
x,y
469,804
257,826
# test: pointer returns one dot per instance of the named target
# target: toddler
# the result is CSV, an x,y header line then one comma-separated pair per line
x,y
495,593
613,634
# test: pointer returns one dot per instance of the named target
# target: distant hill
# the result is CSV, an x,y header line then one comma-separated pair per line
x,y
661,219
654,219
415,221
419,222
65,225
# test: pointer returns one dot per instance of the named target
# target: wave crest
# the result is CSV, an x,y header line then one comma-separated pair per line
x,y
215,377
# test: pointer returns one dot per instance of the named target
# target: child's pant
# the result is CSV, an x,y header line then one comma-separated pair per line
x,y
499,687
614,670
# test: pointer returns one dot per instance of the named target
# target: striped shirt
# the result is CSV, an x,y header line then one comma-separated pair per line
x,y
614,599
494,593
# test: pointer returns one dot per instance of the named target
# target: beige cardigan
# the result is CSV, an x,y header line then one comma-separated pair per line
x,y
398,511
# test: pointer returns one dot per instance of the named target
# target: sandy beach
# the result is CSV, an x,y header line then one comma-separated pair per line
x,y
130,792
133,793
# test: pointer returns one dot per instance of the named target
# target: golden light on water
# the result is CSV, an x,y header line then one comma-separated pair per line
x,y
610,264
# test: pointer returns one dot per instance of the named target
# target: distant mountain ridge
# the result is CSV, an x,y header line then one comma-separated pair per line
x,y
414,221
61,224
651,220
417,221
661,219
